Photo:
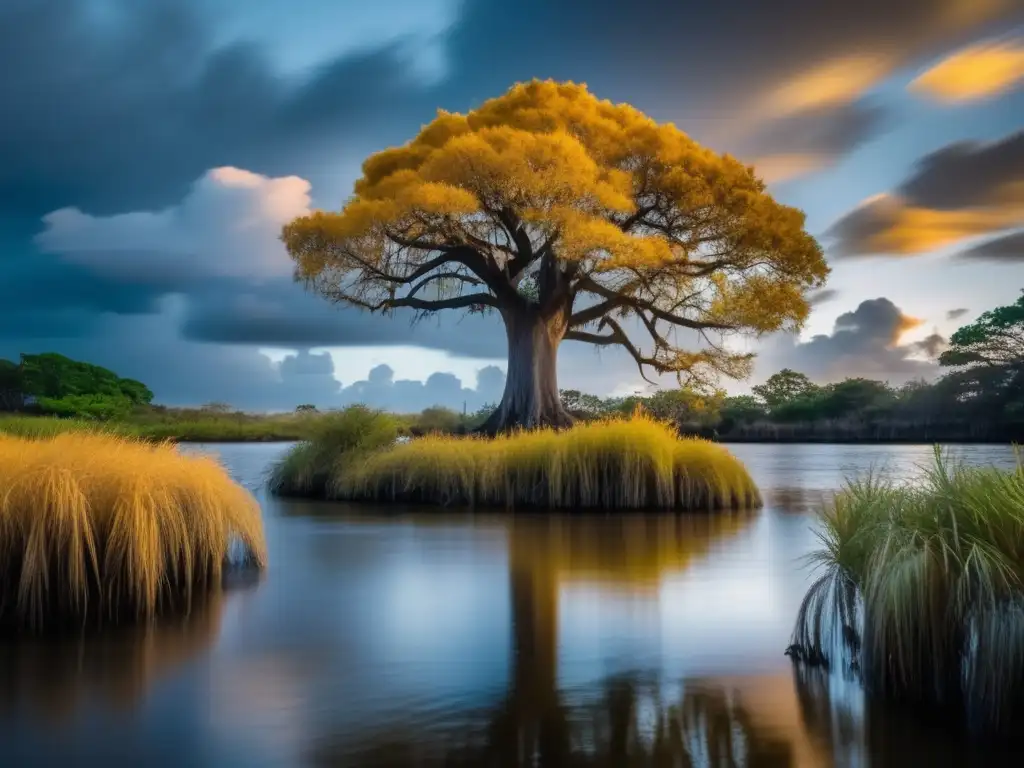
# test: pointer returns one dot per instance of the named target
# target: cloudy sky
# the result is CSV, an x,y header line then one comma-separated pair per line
x,y
151,151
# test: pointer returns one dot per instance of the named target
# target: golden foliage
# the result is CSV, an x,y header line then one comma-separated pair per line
x,y
549,174
614,464
95,526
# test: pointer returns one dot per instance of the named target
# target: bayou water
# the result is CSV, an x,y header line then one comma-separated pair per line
x,y
384,637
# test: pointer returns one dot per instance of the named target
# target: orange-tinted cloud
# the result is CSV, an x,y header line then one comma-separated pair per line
x,y
903,324
830,83
889,224
775,169
962,191
977,72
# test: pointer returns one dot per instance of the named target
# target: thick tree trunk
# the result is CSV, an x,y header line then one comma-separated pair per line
x,y
531,396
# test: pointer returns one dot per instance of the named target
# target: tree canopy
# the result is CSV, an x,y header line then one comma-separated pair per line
x,y
994,339
55,376
987,361
11,395
577,216
66,387
783,387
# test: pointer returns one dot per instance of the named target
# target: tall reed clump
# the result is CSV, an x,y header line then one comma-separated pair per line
x,y
337,439
923,590
625,463
97,527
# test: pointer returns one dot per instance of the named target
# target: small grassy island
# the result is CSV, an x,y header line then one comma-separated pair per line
x,y
102,528
923,591
626,463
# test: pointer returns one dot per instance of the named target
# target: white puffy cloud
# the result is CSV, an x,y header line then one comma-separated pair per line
x,y
227,226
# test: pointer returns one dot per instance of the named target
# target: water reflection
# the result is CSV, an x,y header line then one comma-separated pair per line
x,y
632,552
385,637
52,678
627,721
796,500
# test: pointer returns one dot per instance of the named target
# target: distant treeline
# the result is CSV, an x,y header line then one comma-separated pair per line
x,y
790,408
979,399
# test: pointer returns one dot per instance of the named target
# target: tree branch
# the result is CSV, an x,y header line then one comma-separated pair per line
x,y
466,255
430,305
641,212
634,302
595,312
440,276
619,337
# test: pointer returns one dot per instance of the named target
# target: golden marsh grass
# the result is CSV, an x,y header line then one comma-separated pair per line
x,y
627,463
101,527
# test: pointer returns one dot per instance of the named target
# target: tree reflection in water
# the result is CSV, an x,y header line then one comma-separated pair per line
x,y
629,724
628,720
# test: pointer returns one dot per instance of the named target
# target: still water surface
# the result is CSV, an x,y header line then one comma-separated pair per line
x,y
379,638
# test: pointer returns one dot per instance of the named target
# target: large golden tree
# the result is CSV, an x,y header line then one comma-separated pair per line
x,y
574,218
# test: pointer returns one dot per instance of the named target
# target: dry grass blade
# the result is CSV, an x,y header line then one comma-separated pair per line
x,y
99,526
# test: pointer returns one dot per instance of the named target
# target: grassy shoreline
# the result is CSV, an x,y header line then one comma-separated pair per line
x,y
285,428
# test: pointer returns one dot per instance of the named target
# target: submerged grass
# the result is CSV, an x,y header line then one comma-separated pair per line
x,y
104,527
923,589
625,463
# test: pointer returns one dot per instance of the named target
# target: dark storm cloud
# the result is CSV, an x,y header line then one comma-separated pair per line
x,y
1008,249
956,314
123,112
864,342
931,345
721,70
967,174
963,190
718,50
822,296
283,314
40,283
822,132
